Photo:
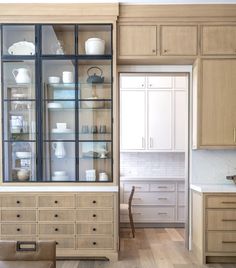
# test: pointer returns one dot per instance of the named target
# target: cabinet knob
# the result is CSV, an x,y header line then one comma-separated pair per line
x,y
18,229
18,215
94,243
165,50
55,215
94,229
56,229
17,202
94,201
57,243
56,202
94,215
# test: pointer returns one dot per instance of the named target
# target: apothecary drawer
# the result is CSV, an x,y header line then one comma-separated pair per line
x,y
95,242
95,201
18,201
95,229
18,229
56,215
221,219
95,215
62,201
18,215
221,241
56,229
220,201
139,187
61,243
162,187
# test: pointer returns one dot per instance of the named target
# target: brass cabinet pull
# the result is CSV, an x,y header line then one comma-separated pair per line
x,y
229,242
228,219
228,202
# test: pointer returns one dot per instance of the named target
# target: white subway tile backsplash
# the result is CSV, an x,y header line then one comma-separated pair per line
x,y
152,164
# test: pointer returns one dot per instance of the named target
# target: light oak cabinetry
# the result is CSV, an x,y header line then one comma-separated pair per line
x,y
137,40
218,39
214,226
178,40
81,223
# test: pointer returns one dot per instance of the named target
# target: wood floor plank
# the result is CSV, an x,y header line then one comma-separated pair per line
x,y
174,235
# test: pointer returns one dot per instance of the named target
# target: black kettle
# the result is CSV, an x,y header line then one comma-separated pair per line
x,y
95,79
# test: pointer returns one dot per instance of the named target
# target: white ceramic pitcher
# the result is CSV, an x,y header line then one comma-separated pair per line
x,y
59,149
22,75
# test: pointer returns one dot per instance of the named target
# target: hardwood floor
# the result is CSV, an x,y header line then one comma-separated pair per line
x,y
152,248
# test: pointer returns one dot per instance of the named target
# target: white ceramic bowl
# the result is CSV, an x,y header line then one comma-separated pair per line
x,y
54,79
92,103
59,173
54,105
23,154
95,46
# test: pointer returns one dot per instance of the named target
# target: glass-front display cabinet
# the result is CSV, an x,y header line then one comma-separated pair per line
x,y
57,103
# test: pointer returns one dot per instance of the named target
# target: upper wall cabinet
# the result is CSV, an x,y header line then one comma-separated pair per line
x,y
219,40
178,40
137,40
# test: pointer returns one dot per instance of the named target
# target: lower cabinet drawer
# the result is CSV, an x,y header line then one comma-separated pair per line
x,y
95,229
221,219
167,198
18,201
18,229
56,229
65,242
221,241
18,215
95,201
56,215
95,215
162,187
139,187
221,201
95,242
60,201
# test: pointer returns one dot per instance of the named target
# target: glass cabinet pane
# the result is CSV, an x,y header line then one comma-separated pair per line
x,y
20,161
95,161
94,39
58,39
18,39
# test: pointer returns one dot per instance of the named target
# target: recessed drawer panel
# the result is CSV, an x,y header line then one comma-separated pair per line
x,y
95,242
221,219
18,201
62,201
56,229
95,229
95,201
18,215
219,201
65,242
162,187
18,229
181,198
139,187
56,215
95,215
167,198
221,241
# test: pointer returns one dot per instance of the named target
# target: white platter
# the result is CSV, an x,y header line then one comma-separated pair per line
x,y
22,48
66,130
59,178
54,105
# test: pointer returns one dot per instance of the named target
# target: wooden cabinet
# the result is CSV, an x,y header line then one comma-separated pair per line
x,y
217,107
178,40
154,113
218,39
214,226
137,40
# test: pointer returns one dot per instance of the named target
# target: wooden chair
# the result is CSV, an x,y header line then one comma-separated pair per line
x,y
126,209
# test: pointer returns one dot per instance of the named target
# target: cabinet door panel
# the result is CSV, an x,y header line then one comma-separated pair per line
x,y
178,40
159,120
132,120
218,106
132,81
137,40
219,40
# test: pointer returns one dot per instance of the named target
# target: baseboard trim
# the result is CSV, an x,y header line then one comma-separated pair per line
x,y
154,225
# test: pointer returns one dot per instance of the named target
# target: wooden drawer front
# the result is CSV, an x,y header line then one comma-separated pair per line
x,y
151,198
95,229
162,187
19,238
221,241
181,198
56,229
65,201
95,242
56,215
221,219
95,201
18,229
221,201
181,187
139,187
219,40
181,214
18,201
153,214
18,215
95,215
65,242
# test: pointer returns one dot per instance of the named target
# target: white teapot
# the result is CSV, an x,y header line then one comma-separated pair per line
x,y
22,76
59,149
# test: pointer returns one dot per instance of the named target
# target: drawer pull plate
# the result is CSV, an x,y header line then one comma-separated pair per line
x,y
25,246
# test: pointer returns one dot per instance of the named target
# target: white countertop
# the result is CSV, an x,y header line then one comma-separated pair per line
x,y
214,188
133,178
58,189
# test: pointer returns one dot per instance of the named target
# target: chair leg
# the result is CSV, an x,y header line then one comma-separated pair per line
x,y
131,223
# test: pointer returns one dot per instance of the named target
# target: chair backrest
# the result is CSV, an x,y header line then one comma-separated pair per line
x,y
28,251
131,196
